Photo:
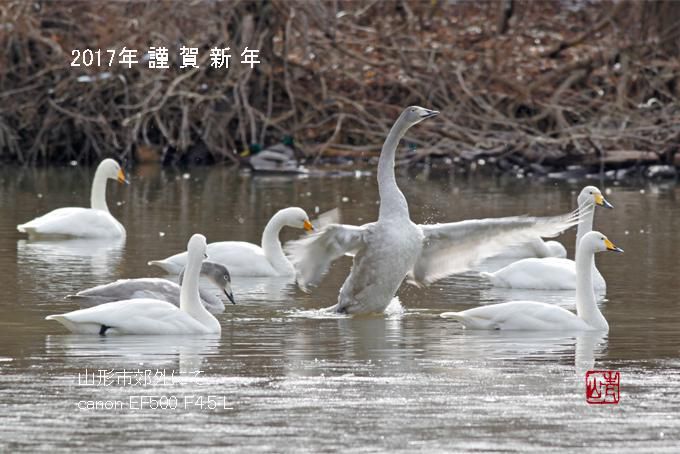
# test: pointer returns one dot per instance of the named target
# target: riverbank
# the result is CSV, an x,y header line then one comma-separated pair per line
x,y
550,84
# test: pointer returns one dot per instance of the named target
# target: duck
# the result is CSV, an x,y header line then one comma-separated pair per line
x,y
158,288
78,222
394,248
146,316
277,158
554,273
539,316
247,259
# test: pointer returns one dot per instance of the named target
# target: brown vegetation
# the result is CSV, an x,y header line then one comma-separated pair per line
x,y
553,82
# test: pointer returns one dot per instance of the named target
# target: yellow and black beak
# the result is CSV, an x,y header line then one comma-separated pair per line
x,y
611,247
601,201
121,177
308,225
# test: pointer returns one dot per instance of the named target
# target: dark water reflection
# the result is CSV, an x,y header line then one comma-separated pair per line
x,y
287,378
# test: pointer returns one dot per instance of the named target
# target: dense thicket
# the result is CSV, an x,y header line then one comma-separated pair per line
x,y
553,81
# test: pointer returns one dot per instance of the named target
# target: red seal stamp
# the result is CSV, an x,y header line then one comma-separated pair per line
x,y
603,386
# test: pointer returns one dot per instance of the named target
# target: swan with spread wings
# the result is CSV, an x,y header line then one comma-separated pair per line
x,y
393,248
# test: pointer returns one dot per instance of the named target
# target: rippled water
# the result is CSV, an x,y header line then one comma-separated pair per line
x,y
283,378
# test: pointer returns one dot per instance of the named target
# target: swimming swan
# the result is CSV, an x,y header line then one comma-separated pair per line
x,y
388,250
247,259
150,316
532,315
537,247
77,222
554,273
159,289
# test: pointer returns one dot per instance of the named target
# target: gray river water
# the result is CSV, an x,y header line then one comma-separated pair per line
x,y
283,378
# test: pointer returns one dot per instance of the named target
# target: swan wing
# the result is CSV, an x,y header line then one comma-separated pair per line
x,y
124,289
313,254
456,246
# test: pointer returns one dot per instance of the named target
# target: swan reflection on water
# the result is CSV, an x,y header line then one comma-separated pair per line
x,y
184,354
56,262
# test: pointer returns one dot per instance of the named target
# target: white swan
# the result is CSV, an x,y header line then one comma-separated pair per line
x,y
534,248
159,289
77,222
532,315
554,273
150,316
388,250
247,259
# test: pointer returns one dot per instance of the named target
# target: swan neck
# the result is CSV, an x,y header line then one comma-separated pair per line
x,y
586,303
189,297
541,250
98,192
271,245
392,201
585,222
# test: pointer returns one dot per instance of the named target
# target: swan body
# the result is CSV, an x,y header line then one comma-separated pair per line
x,y
519,315
532,315
150,316
76,222
393,247
549,273
247,259
554,273
159,289
536,248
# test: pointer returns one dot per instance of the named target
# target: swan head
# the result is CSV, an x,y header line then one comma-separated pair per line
x,y
218,274
196,248
556,249
598,242
297,218
111,169
590,196
414,114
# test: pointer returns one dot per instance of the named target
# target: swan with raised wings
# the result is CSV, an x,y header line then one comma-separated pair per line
x,y
393,247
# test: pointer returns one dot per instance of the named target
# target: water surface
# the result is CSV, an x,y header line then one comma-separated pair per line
x,y
283,378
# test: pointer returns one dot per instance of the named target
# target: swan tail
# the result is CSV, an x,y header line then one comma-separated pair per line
x,y
470,321
492,278
453,315
29,229
168,267
76,328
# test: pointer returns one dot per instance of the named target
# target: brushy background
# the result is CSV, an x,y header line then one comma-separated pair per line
x,y
552,82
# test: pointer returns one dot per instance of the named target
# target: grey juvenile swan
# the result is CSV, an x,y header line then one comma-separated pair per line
x,y
393,247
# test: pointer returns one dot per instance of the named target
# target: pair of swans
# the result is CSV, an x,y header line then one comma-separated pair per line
x,y
160,289
393,248
151,316
555,273
532,315
77,222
